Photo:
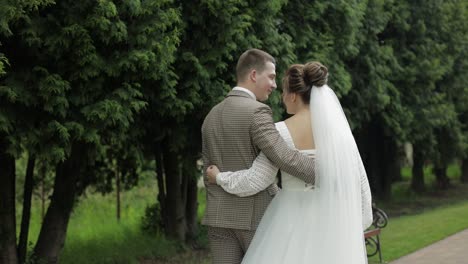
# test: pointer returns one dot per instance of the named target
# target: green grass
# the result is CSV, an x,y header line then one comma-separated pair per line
x,y
420,219
95,232
95,236
407,234
404,201
453,172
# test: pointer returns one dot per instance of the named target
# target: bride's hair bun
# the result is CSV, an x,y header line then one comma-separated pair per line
x,y
300,78
315,74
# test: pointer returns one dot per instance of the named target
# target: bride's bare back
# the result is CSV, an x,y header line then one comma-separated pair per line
x,y
300,128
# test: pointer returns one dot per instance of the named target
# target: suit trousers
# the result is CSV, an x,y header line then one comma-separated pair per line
x,y
228,246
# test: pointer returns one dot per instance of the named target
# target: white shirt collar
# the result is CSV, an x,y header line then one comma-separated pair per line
x,y
238,88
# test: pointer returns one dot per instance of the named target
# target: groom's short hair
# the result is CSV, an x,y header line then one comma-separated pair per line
x,y
252,59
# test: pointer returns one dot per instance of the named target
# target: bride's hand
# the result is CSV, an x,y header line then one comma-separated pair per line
x,y
211,172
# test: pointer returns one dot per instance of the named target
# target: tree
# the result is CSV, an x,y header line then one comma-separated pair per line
x,y
452,138
84,92
9,137
376,111
418,36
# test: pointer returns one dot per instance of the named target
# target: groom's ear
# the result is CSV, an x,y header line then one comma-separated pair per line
x,y
253,75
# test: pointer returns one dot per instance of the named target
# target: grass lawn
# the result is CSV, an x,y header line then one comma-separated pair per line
x,y
420,219
406,234
407,202
95,236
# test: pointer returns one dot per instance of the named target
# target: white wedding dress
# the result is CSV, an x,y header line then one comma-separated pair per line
x,y
319,224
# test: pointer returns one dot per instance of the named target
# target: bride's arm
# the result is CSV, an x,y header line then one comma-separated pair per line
x,y
250,181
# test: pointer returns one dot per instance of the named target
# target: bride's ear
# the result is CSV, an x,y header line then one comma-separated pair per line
x,y
293,97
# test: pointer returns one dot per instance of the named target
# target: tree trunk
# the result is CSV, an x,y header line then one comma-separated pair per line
x,y
191,210
117,188
442,181
378,153
54,228
390,165
395,169
160,178
26,216
174,207
396,162
184,176
417,181
8,252
191,203
43,192
464,172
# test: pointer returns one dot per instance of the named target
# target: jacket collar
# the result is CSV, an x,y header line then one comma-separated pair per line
x,y
243,92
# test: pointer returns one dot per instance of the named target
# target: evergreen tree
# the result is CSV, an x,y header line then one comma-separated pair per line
x,y
418,36
10,13
377,112
451,137
77,69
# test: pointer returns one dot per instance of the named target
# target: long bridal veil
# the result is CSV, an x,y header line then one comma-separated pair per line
x,y
336,234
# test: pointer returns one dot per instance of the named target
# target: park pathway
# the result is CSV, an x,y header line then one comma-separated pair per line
x,y
451,250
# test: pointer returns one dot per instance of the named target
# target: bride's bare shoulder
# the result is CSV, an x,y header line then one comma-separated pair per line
x,y
298,120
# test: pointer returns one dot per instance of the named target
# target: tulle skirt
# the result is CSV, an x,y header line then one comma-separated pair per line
x,y
284,234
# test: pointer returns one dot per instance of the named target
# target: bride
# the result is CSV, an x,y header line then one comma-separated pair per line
x,y
321,223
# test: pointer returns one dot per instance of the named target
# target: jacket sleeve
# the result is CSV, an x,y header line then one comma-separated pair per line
x,y
269,141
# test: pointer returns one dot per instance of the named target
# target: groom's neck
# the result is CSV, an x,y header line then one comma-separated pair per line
x,y
248,86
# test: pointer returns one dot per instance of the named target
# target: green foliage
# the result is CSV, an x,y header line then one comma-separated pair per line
x,y
374,94
152,221
421,44
374,50
3,62
12,11
83,70
326,32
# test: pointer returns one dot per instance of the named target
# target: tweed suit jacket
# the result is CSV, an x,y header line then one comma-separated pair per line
x,y
233,134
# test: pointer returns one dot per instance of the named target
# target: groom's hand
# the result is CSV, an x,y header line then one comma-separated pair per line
x,y
211,172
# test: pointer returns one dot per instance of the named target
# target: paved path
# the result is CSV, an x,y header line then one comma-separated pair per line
x,y
451,250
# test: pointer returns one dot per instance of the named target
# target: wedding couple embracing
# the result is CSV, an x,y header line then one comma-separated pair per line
x,y
324,205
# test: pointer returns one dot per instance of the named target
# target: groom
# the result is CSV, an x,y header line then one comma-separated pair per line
x,y
233,134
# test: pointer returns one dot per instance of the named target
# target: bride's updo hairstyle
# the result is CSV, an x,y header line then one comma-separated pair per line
x,y
300,78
